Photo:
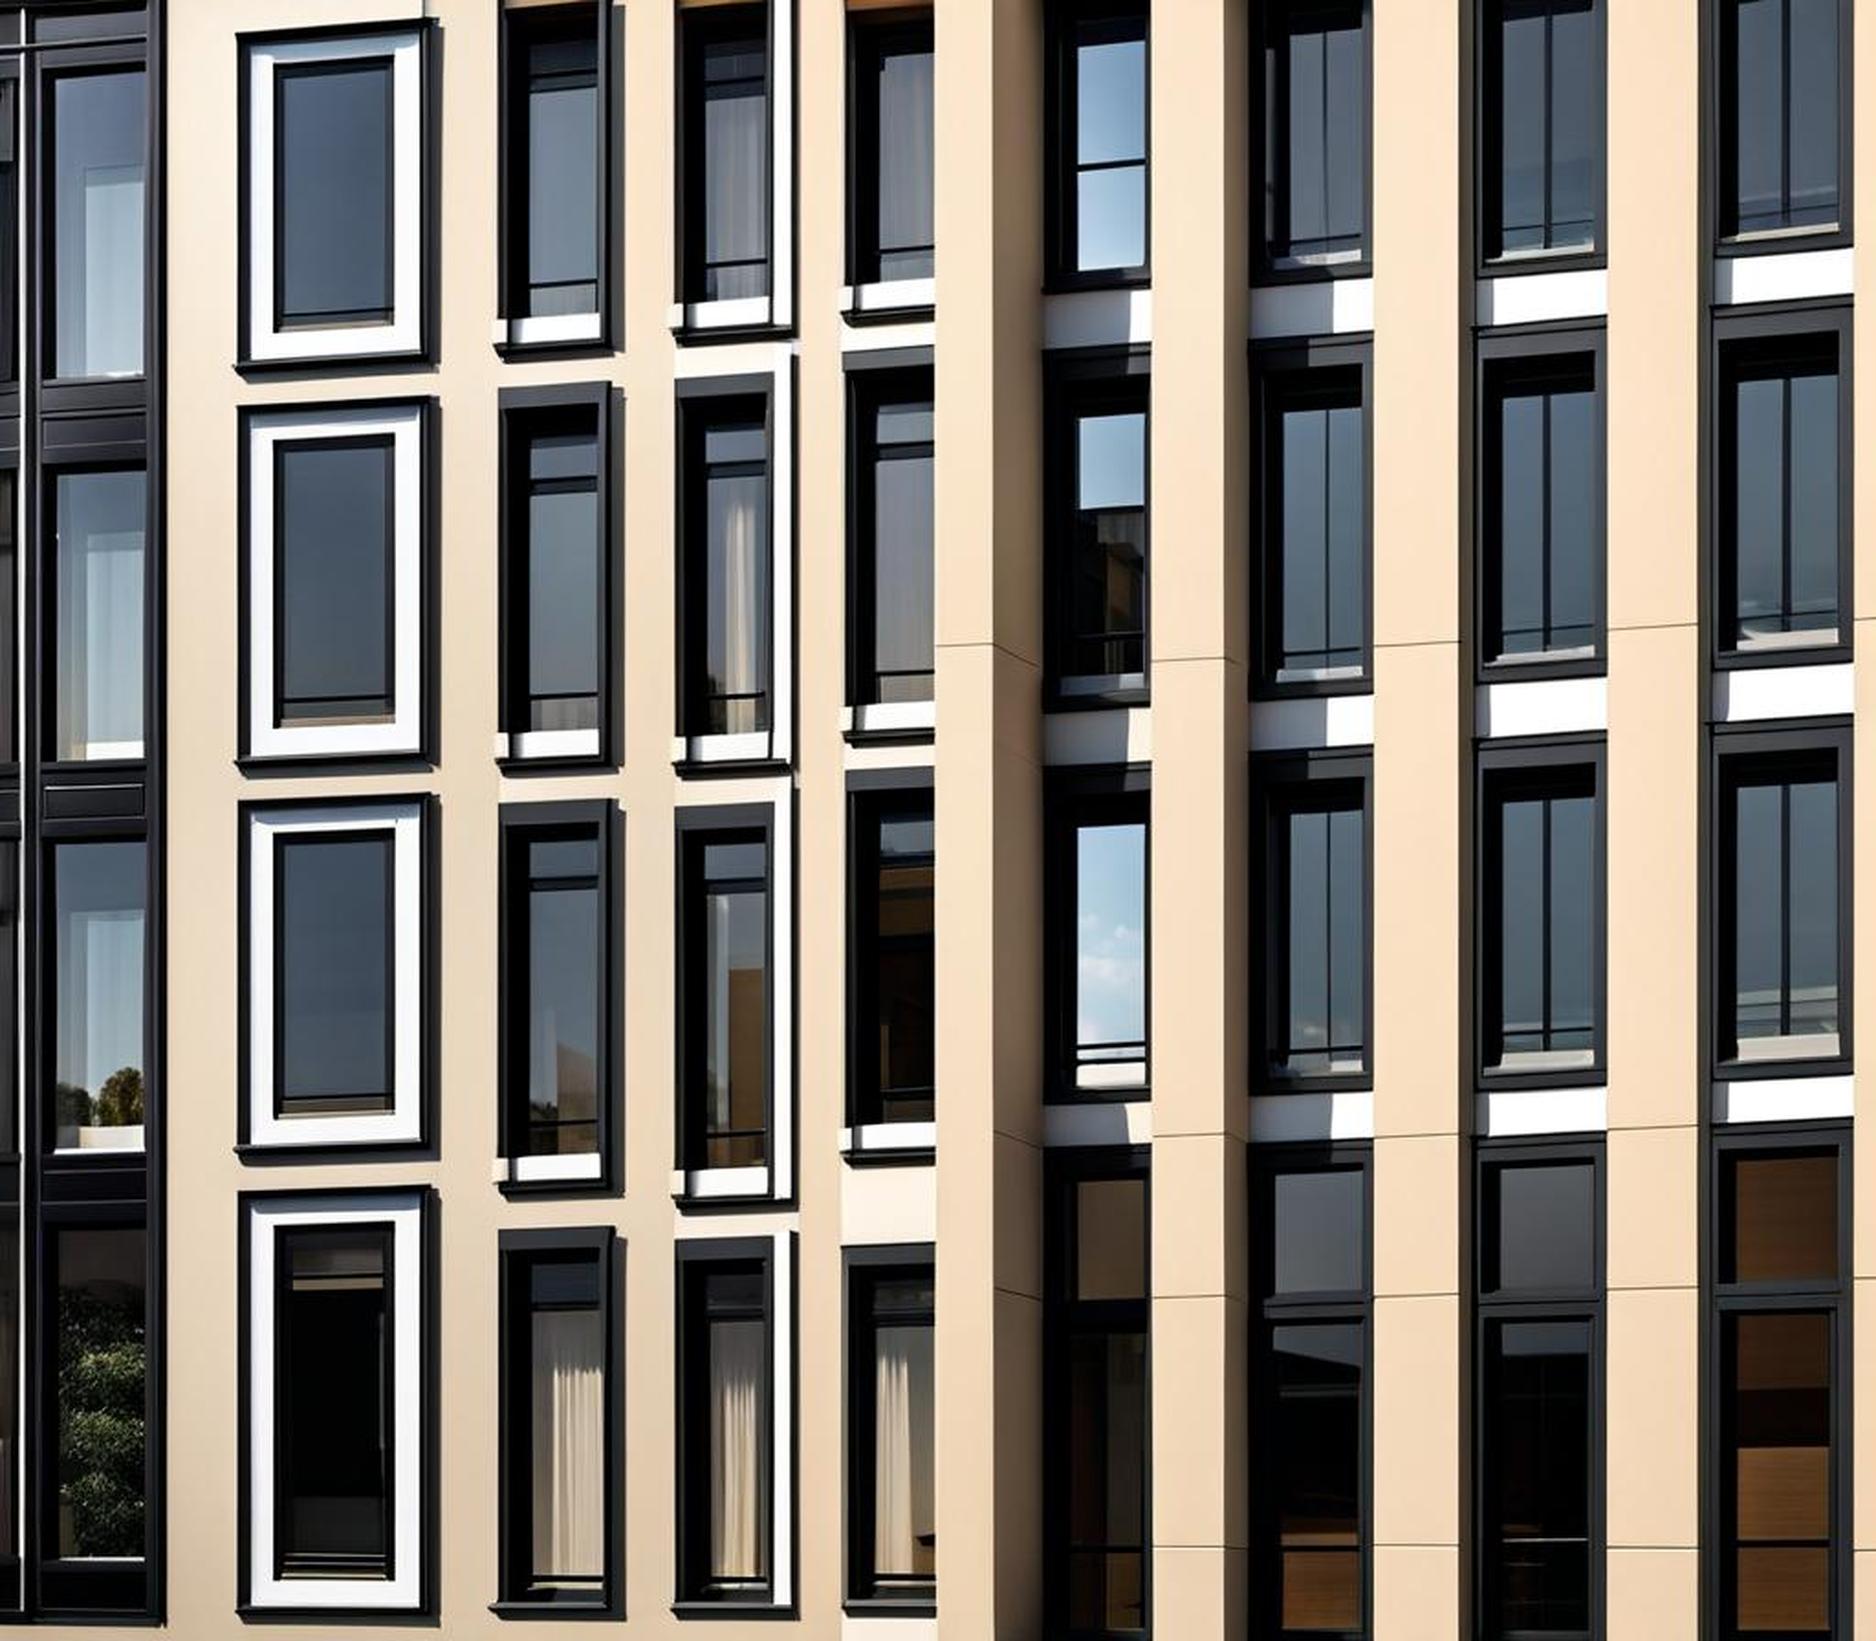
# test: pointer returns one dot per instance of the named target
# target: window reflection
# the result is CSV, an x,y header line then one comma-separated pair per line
x,y
100,595
98,137
98,996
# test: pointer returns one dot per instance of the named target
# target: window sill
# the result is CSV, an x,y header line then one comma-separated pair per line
x,y
889,1142
890,721
733,319
1808,653
1563,1074
695,754
1350,681
888,301
1769,241
544,748
524,1175
730,1609
551,333
888,1607
582,1607
706,1187
1088,692
1286,270
1110,1080
336,358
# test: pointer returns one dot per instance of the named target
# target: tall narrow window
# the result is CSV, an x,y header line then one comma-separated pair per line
x,y
96,970
559,1465
890,167
726,592
99,601
1311,1377
725,154
1098,85
1097,921
893,957
1783,429
891,533
1783,117
1542,180
1313,617
9,226
1097,1468
9,613
1540,1392
1541,958
1315,133
892,1521
1541,507
98,139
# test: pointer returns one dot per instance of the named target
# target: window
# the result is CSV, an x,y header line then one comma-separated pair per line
x,y
1782,939
1310,1513
890,167
1540,503
1096,916
555,173
891,956
9,222
98,614
1315,134
1541,183
334,227
1315,518
335,1402
1784,117
1539,1379
99,123
890,534
1782,1371
892,1520
1097,531
1541,914
1782,487
557,1006
335,973
557,610
96,966
1098,121
735,1450
1314,911
1096,1409
559,1401
335,581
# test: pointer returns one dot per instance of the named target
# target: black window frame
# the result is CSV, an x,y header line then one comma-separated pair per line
x,y
872,797
1282,374
697,26
1549,767
1060,167
871,37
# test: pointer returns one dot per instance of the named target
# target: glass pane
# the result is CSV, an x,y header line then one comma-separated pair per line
x,y
736,635
9,1370
904,968
736,1026
905,1522
100,615
1308,139
563,1016
564,607
1106,1423
1110,1239
735,167
98,900
1305,479
1107,597
1110,218
739,1457
1316,1432
1345,128
98,223
1760,454
1522,580
903,586
1758,113
1810,602
1573,955
1813,107
1110,99
334,193
1575,124
1541,1222
1521,931
1319,1232
1523,116
1784,1218
335,975
905,165
1575,486
9,235
99,1339
9,611
1306,1044
1110,943
563,175
1758,911
1814,912
567,1440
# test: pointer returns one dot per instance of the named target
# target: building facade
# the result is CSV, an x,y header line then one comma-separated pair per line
x,y
789,780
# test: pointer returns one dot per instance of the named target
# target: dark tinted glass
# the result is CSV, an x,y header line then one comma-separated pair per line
x,y
1315,131
9,607
1106,1482
564,1005
729,130
1318,487
894,73
1544,479
1545,108
902,571
334,972
1546,929
98,993
1323,1025
334,578
1319,1232
1540,1223
564,607
98,141
1110,71
902,968
9,228
101,1365
730,611
1111,1239
1783,881
1782,1214
562,138
1779,114
1106,605
728,940
333,193
1316,1429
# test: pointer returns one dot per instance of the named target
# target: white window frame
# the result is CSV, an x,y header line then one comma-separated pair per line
x,y
265,1218
403,733
265,342
403,1124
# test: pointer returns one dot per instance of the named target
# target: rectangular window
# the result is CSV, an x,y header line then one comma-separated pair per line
x,y
892,956
1315,133
890,165
1784,117
1096,1437
892,1521
335,581
890,535
555,178
1098,125
1782,1370
1097,531
1315,518
557,616
98,138
334,985
556,990
96,969
1314,911
1782,486
1541,145
725,153
1782,940
99,519
10,141
1541,914
334,1431
1540,504
559,1457
1540,1391
334,221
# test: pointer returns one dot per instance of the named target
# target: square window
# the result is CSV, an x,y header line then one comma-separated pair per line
x,y
1314,135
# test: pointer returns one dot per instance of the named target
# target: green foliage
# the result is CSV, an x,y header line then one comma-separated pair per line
x,y
101,1435
120,1100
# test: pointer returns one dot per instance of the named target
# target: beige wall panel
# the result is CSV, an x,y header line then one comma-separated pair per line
x,y
1198,1592
1863,1395
1417,1452
1200,1207
1417,1192
1199,1396
1652,1593
1653,1211
1416,1592
1653,1426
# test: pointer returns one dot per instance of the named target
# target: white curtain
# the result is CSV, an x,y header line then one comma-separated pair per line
x,y
736,216
905,152
904,1525
111,343
717,961
743,599
738,1475
100,706
101,1011
569,1444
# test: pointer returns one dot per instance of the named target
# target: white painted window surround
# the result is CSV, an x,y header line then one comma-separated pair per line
x,y
1093,319
1106,735
1285,1119
1542,706
1783,276
1098,1122
1503,1112
1749,694
888,296
546,330
1302,723
1541,298
1317,307
1784,1099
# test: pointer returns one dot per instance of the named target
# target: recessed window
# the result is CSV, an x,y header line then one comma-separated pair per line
x,y
893,957
334,1402
335,582
1541,927
890,166
99,517
1313,617
892,1555
1542,181
334,223
1781,1216
334,984
1315,133
726,151
891,535
1098,103
1783,96
558,1398
1541,513
96,968
99,136
1097,920
9,225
